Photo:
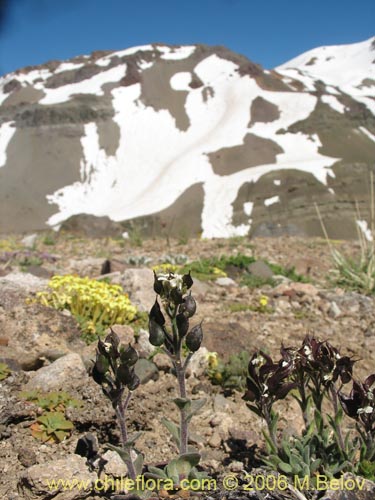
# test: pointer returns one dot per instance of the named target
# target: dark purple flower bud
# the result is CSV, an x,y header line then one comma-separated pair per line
x,y
157,335
187,280
134,382
97,375
176,296
102,363
182,324
158,286
101,348
124,374
156,314
343,369
194,338
113,339
188,306
129,356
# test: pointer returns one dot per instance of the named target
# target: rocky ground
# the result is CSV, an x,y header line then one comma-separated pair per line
x,y
44,351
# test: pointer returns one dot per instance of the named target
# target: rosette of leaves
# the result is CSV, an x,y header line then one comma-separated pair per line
x,y
175,339
114,372
52,427
52,401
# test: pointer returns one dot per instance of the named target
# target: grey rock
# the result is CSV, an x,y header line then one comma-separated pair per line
x,y
27,457
16,287
334,311
66,371
236,466
198,363
351,488
125,334
260,269
162,361
146,370
144,347
215,440
87,267
29,240
138,283
224,281
33,482
114,464
32,333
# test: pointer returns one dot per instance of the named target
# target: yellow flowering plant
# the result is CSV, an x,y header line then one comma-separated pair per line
x,y
95,304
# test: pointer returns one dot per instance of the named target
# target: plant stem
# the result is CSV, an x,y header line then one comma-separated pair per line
x,y
267,414
121,415
180,372
337,426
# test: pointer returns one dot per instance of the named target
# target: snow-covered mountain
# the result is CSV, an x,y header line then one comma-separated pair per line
x,y
189,138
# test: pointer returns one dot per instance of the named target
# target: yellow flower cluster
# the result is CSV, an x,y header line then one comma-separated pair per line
x,y
95,304
165,268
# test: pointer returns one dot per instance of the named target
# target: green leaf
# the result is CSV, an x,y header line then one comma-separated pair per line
x,y
156,472
180,467
131,441
182,403
138,464
123,453
269,444
196,405
284,467
173,429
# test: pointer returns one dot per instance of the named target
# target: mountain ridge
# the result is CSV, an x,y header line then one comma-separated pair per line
x,y
125,135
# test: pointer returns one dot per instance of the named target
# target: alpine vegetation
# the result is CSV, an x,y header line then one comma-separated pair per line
x,y
114,372
179,307
314,374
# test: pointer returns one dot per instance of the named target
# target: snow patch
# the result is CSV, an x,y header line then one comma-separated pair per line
x,y
248,207
68,66
176,53
333,103
180,81
272,200
277,182
7,131
368,133
92,85
366,231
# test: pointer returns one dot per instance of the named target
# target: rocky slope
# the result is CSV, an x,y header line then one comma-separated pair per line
x,y
43,348
189,138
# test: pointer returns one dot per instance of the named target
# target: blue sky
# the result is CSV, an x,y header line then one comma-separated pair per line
x,y
269,32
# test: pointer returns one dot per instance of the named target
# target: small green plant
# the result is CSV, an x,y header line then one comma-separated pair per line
x,y
49,240
52,401
4,371
203,269
313,373
29,260
51,427
357,273
230,375
179,307
96,305
114,372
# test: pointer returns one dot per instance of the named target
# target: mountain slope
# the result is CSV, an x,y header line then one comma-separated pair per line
x,y
194,138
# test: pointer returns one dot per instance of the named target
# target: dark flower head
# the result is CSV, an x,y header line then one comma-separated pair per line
x,y
360,404
267,381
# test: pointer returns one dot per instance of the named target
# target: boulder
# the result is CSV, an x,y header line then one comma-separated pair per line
x,y
50,479
66,371
138,283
